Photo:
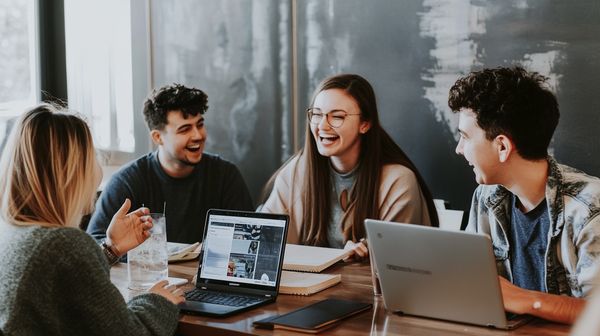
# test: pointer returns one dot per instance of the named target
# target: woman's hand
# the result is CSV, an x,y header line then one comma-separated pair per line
x,y
359,250
169,292
127,231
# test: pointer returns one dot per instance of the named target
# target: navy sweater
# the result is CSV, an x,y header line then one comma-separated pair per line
x,y
214,183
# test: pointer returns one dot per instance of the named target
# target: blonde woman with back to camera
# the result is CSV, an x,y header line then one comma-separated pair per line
x,y
54,278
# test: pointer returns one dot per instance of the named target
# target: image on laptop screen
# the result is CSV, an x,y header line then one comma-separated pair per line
x,y
243,249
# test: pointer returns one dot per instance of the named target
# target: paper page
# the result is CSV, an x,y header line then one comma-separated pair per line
x,y
311,258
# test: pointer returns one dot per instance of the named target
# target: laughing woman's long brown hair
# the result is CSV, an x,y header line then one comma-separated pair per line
x,y
305,182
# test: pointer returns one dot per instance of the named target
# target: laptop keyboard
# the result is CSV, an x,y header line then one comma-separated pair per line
x,y
225,299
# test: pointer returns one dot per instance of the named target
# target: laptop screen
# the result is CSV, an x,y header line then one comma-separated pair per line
x,y
243,248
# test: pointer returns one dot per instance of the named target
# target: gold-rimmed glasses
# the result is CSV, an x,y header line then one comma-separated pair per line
x,y
335,118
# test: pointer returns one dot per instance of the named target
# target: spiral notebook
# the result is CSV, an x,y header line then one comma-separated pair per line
x,y
183,252
314,259
296,283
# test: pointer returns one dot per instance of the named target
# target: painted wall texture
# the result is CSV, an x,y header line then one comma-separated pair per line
x,y
412,51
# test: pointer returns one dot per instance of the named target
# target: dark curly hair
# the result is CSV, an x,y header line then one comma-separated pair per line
x,y
174,97
513,102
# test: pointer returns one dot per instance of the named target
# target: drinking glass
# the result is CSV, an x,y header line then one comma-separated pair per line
x,y
148,263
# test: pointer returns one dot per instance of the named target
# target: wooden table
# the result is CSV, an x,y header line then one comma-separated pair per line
x,y
355,285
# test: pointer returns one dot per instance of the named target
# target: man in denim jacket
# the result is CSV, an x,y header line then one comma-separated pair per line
x,y
543,217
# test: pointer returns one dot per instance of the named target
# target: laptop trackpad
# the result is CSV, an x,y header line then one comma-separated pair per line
x,y
203,307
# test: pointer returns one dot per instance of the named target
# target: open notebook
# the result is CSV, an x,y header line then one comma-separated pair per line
x,y
314,259
182,252
296,283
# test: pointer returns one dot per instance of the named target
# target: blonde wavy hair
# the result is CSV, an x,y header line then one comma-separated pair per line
x,y
47,169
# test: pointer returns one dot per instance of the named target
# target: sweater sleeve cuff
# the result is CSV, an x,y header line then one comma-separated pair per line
x,y
158,313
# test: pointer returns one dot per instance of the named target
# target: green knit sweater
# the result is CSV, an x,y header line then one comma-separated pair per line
x,y
56,281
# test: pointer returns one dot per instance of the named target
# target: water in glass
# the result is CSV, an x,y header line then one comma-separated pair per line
x,y
148,263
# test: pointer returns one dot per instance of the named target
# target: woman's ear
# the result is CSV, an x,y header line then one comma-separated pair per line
x,y
504,146
364,127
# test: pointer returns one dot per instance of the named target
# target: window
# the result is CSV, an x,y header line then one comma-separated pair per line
x,y
100,71
19,81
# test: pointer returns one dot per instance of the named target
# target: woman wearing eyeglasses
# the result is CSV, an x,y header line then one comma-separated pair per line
x,y
349,169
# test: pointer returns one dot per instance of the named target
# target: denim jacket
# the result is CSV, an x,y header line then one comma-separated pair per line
x,y
573,250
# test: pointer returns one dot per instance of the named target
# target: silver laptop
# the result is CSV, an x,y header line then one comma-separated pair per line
x,y
241,264
448,275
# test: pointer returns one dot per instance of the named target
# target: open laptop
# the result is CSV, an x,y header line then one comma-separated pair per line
x,y
449,275
241,263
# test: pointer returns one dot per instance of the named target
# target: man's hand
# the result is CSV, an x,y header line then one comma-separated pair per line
x,y
516,299
557,308
127,231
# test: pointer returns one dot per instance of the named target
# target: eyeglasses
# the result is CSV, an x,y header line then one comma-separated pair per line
x,y
335,118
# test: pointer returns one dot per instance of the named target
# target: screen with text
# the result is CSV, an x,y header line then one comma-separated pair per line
x,y
242,249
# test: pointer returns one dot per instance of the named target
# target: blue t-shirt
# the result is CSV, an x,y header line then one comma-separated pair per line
x,y
529,240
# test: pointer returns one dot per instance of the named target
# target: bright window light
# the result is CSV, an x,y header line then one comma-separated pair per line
x,y
99,69
19,81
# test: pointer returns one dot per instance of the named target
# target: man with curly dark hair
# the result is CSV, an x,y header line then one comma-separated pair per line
x,y
179,173
543,217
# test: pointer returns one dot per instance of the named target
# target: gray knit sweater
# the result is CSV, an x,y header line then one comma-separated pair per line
x,y
56,281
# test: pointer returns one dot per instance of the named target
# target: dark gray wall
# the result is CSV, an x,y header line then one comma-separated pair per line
x,y
412,51
238,53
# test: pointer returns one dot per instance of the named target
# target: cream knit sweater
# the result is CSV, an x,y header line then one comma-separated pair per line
x,y
400,197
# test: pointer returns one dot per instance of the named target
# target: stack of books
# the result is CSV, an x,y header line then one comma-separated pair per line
x,y
302,264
